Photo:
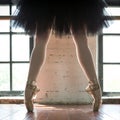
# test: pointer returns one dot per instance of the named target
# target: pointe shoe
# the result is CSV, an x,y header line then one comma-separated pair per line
x,y
30,91
95,91
29,105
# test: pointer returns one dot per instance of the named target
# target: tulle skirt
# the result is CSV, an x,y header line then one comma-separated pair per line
x,y
61,16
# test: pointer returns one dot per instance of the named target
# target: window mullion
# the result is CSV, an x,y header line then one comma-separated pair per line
x,y
31,45
100,60
10,54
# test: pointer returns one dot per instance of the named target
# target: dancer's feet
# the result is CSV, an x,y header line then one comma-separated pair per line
x,y
95,91
30,91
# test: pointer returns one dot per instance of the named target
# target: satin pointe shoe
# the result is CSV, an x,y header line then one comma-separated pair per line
x,y
95,91
30,91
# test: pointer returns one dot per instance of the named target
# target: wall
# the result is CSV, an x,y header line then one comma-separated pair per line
x,y
62,80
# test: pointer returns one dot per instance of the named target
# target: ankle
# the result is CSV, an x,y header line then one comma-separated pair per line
x,y
93,86
32,83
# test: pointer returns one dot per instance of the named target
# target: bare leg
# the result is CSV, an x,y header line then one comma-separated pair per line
x,y
85,59
37,60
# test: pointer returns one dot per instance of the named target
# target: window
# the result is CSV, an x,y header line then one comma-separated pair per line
x,y
14,54
109,56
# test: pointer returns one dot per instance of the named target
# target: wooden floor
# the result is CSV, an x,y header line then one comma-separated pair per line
x,y
59,112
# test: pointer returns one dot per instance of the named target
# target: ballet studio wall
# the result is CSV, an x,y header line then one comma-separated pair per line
x,y
61,79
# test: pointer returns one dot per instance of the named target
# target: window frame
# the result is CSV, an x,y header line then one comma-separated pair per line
x,y
12,92
101,63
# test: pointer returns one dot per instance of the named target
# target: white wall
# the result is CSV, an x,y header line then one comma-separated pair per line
x,y
62,80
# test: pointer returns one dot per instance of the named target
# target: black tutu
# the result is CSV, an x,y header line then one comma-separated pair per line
x,y
61,15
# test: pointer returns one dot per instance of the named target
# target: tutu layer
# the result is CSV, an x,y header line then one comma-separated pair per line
x,y
61,16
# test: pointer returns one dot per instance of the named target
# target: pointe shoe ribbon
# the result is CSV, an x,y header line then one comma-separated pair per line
x,y
32,85
92,87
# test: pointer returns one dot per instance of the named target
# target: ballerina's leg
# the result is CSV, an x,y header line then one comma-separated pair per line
x,y
36,63
85,59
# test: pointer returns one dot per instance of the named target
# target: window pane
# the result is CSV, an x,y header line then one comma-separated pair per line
x,y
17,29
20,48
13,9
4,77
113,28
114,11
4,48
111,78
20,72
111,48
4,10
4,25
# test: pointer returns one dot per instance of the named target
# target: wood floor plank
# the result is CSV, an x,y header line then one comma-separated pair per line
x,y
52,112
8,110
30,116
58,115
11,112
59,112
111,110
79,115
43,115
